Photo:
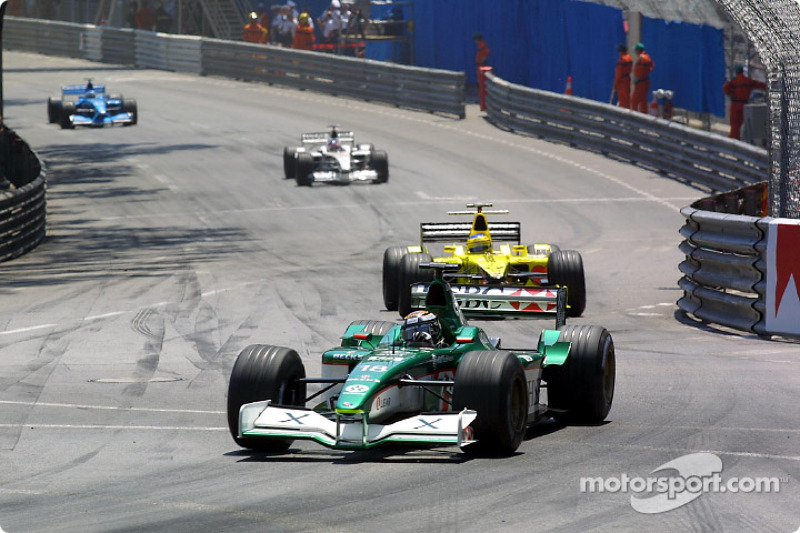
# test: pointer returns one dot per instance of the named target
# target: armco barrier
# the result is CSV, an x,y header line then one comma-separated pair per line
x,y
731,270
22,208
667,147
432,90
723,270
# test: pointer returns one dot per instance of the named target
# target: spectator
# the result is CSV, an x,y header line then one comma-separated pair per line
x,y
331,22
622,77
254,32
355,24
304,33
285,27
163,19
641,78
739,89
145,18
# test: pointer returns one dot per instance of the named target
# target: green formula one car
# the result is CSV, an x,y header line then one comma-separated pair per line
x,y
432,379
487,279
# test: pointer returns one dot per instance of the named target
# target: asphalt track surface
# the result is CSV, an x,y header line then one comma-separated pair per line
x,y
175,243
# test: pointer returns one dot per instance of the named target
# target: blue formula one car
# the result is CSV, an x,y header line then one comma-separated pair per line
x,y
89,105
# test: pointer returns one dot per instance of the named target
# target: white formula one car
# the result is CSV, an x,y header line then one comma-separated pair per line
x,y
334,157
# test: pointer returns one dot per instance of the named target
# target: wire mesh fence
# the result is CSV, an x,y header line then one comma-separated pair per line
x,y
773,27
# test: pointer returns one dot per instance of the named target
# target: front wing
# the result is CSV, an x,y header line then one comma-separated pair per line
x,y
260,419
321,176
108,120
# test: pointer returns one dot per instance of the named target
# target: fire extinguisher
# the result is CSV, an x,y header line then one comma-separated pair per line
x,y
668,107
654,110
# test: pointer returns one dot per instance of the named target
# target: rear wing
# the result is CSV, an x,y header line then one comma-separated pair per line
x,y
325,136
527,302
460,231
80,90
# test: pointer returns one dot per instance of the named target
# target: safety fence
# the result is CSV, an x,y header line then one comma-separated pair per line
x,y
773,27
701,158
432,90
23,207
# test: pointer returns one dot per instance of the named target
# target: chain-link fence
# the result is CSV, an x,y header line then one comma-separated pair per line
x,y
773,26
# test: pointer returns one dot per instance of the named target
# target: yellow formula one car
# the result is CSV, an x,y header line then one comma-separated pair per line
x,y
486,280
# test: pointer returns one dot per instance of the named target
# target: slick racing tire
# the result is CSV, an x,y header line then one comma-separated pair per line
x,y
67,110
411,273
584,385
289,155
53,110
129,106
304,170
380,163
391,275
565,267
492,383
378,328
264,372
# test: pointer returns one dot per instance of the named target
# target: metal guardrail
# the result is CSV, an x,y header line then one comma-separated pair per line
x,y
432,90
724,270
667,147
23,208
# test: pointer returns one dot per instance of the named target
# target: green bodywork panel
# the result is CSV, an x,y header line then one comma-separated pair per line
x,y
555,351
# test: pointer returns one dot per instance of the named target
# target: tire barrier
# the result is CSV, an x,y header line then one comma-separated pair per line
x,y
22,207
431,90
704,159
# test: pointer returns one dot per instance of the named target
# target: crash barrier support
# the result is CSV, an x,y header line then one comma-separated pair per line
x,y
731,271
431,90
700,158
23,206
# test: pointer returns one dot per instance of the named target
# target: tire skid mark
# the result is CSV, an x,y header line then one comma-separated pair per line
x,y
32,384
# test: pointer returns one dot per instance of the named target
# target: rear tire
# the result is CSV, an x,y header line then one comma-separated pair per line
x,y
53,110
130,106
289,162
410,273
264,372
380,163
304,170
391,275
493,384
566,268
584,384
67,109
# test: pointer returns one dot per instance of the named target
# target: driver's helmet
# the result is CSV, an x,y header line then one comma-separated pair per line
x,y
334,145
90,94
479,243
421,328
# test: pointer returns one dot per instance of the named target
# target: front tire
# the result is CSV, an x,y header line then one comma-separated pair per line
x,y
565,268
391,275
264,372
584,384
64,120
492,383
411,273
289,162
304,170
130,106
380,163
53,110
